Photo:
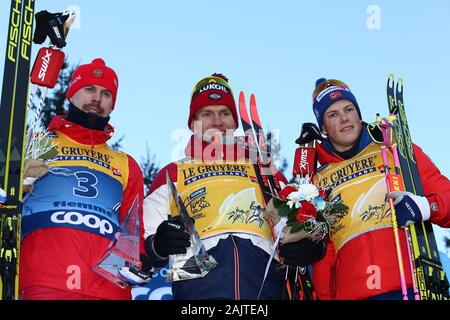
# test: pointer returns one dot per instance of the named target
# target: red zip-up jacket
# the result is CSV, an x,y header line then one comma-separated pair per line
x,y
62,256
345,275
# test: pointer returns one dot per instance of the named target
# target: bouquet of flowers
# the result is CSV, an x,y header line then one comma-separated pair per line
x,y
307,210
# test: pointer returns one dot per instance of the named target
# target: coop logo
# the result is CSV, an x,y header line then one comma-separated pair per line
x,y
89,221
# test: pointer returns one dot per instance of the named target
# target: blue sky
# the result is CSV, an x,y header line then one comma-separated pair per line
x,y
275,49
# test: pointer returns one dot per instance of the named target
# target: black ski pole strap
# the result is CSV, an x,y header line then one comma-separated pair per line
x,y
51,25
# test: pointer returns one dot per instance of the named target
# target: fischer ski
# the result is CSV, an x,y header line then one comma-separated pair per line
x,y
298,283
431,280
16,142
13,109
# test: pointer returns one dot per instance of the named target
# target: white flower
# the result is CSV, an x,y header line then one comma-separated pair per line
x,y
294,199
308,192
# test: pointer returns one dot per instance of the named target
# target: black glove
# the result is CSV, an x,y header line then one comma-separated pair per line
x,y
170,238
303,252
51,25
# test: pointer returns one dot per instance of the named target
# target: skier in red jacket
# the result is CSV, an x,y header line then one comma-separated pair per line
x,y
361,261
74,210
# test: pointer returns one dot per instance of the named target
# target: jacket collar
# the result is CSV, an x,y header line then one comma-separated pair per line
x,y
79,133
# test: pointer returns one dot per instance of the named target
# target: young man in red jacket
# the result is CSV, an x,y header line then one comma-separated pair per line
x,y
74,210
363,243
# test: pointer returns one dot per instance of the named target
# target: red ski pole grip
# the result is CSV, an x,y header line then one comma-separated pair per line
x,y
304,161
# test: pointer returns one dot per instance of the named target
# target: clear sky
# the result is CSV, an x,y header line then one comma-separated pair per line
x,y
275,49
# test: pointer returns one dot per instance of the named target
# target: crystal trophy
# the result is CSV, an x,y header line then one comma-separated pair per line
x,y
196,262
123,250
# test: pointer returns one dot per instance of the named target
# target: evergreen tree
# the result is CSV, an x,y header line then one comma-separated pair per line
x,y
274,148
149,168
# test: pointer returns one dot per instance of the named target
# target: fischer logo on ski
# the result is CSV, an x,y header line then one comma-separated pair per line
x,y
431,279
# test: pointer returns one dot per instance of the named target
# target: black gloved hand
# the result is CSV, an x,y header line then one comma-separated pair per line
x,y
303,252
170,238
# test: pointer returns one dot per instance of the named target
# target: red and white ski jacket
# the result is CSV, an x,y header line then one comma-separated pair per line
x,y
366,264
74,211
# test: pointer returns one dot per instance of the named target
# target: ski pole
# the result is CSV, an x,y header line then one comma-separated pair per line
x,y
391,179
261,158
304,292
407,232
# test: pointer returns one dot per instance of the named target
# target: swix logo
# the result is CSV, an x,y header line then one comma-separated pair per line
x,y
44,67
304,159
58,35
89,220
214,86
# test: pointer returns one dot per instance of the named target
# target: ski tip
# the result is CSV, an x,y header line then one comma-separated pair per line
x,y
241,98
391,80
253,104
254,111
400,85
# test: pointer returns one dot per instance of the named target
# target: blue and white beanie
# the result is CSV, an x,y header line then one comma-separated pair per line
x,y
334,90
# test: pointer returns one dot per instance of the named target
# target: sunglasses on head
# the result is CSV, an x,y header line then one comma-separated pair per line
x,y
329,83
